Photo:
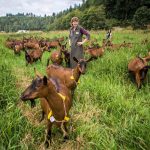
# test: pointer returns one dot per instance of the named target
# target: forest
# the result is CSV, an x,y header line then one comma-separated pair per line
x,y
93,14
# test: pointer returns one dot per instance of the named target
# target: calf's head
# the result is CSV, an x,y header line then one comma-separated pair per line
x,y
37,89
82,63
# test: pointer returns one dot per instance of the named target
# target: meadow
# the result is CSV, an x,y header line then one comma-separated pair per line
x,y
108,112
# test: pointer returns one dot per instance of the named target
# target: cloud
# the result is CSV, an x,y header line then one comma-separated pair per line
x,y
38,7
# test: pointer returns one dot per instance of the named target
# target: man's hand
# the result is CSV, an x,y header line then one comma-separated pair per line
x,y
79,43
69,43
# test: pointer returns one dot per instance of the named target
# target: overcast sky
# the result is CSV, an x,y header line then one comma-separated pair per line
x,y
37,7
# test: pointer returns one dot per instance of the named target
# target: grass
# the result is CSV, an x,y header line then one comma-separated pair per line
x,y
108,111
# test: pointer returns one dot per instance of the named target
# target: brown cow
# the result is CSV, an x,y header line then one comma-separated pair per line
x,y
138,67
33,55
59,99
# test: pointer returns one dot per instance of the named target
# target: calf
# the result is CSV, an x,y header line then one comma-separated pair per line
x,y
96,51
10,44
18,48
56,56
110,45
127,45
138,67
33,55
68,76
32,45
59,102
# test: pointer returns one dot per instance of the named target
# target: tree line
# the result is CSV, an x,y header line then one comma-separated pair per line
x,y
93,14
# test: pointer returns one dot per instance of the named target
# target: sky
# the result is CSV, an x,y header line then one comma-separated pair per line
x,y
37,7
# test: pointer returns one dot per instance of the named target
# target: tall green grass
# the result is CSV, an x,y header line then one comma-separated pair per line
x,y
12,124
108,111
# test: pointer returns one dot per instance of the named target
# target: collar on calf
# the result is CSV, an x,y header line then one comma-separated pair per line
x,y
72,78
50,115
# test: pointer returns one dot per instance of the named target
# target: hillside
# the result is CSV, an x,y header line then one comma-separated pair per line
x,y
93,14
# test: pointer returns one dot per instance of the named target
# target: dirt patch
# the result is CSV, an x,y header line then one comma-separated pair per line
x,y
22,80
27,139
67,145
86,116
32,114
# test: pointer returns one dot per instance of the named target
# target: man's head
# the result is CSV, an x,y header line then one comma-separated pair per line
x,y
74,22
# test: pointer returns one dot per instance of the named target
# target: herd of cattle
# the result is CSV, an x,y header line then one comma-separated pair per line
x,y
56,90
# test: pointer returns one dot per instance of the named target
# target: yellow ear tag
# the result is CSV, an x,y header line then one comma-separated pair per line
x,y
63,97
66,118
49,115
72,77
78,82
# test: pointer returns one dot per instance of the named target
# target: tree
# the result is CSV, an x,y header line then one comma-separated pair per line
x,y
141,17
94,18
121,9
53,14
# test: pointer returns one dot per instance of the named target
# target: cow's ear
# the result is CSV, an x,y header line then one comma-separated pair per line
x,y
45,80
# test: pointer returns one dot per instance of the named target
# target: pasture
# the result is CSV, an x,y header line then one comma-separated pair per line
x,y
108,111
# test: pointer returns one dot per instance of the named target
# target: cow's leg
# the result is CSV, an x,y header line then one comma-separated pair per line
x,y
138,80
64,130
42,116
49,134
33,103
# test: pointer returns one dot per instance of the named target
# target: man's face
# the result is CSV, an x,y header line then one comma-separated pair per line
x,y
75,23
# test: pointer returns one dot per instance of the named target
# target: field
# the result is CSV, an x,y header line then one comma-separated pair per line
x,y
108,112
